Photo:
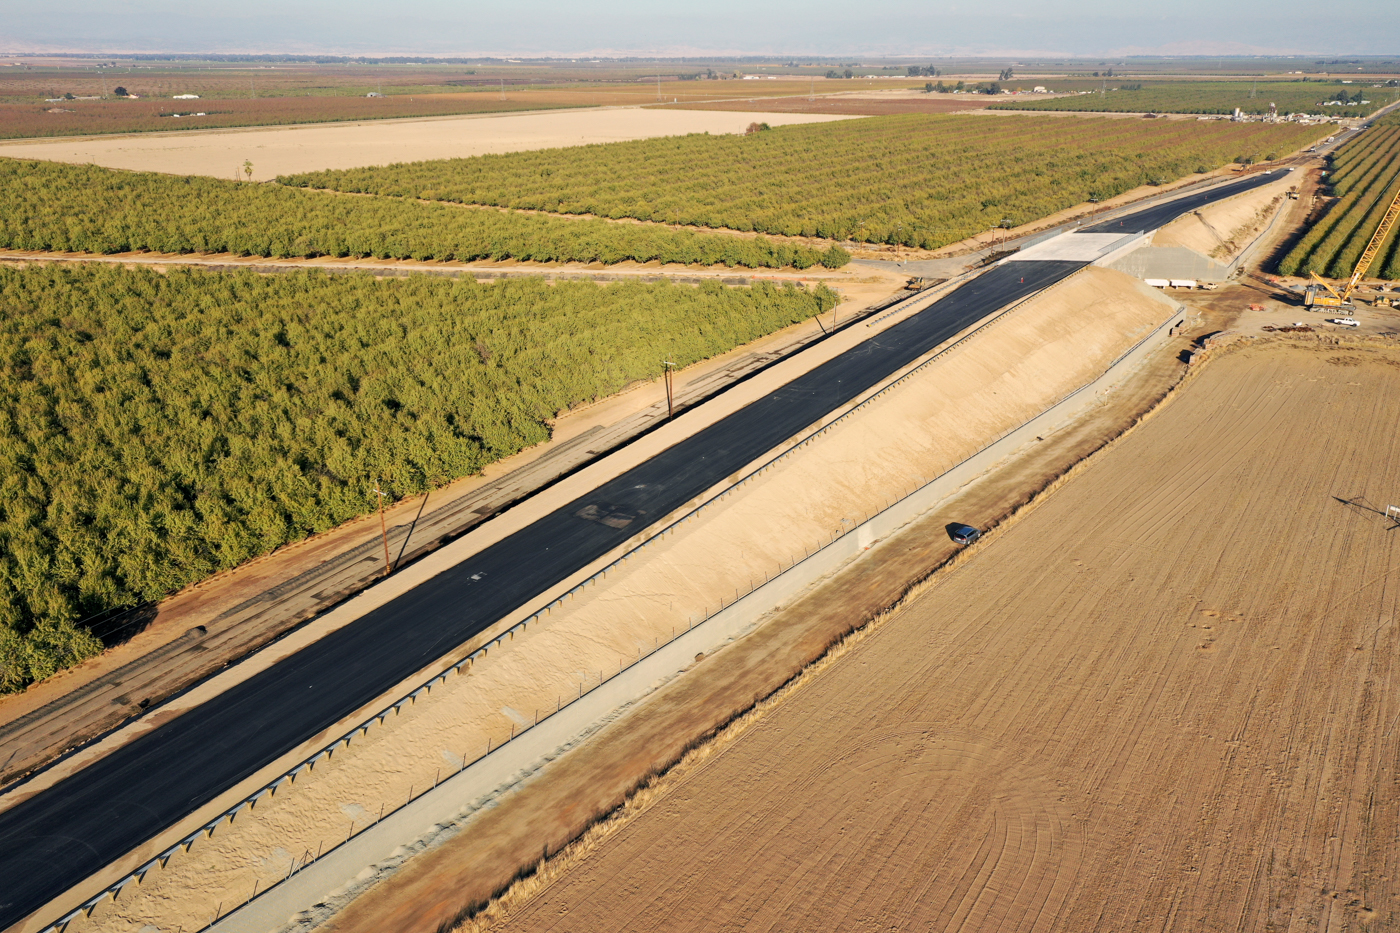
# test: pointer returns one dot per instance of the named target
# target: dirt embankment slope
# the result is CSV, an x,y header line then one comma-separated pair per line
x,y
1165,697
1223,229
1020,365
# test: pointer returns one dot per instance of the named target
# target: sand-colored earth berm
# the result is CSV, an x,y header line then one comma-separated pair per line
x,y
1223,229
1163,698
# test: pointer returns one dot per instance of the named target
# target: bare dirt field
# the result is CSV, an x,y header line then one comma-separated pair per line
x,y
90,117
1165,697
286,150
281,96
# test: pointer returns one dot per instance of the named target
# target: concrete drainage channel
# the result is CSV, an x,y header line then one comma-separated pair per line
x,y
317,888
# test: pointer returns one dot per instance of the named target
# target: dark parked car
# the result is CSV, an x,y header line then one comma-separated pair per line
x,y
963,534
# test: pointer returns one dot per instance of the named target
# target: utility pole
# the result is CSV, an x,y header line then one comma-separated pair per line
x,y
503,89
383,528
404,547
658,87
670,395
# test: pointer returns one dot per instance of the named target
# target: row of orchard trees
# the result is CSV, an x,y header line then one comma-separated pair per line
x,y
1365,176
52,206
155,429
1214,97
913,179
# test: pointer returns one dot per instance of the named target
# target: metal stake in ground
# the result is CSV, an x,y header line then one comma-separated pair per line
x,y
383,529
670,396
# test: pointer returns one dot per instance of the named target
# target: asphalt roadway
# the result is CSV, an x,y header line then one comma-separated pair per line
x,y
1161,214
58,838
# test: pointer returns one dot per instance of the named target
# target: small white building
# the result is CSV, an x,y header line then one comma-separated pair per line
x,y
185,97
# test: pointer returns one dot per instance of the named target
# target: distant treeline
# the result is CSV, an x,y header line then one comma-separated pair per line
x,y
290,59
155,429
914,179
84,208
1329,97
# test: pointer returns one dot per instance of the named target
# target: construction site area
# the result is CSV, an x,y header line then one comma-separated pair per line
x,y
1038,581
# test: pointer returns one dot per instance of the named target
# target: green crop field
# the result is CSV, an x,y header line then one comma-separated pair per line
x,y
1221,97
155,429
1364,175
53,206
913,179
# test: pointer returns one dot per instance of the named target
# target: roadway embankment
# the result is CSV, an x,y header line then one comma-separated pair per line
x,y
934,417
215,622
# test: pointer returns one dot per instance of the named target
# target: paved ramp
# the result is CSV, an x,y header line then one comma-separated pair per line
x,y
1073,247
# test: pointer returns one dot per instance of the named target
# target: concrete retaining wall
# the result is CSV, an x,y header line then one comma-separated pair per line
x,y
1172,262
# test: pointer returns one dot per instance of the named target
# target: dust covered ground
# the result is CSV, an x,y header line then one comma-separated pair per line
x,y
1163,698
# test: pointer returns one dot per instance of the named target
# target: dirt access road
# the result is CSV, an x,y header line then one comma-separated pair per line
x,y
1166,695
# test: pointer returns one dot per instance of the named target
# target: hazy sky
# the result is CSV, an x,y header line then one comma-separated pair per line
x,y
816,27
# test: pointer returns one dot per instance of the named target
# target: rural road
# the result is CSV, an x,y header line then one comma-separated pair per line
x,y
59,837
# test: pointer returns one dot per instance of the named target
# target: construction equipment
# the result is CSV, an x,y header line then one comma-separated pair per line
x,y
1313,296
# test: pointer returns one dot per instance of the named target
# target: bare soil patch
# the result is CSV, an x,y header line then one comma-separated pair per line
x,y
289,150
87,117
1166,693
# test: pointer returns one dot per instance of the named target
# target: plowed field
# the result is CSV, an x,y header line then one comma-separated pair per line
x,y
1164,699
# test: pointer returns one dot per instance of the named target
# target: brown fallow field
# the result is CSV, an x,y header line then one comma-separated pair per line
x,y
92,117
1163,698
289,102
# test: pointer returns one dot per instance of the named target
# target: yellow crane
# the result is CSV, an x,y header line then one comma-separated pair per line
x,y
1314,297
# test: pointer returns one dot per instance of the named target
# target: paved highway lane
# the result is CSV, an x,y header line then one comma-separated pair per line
x,y
1162,214
59,837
